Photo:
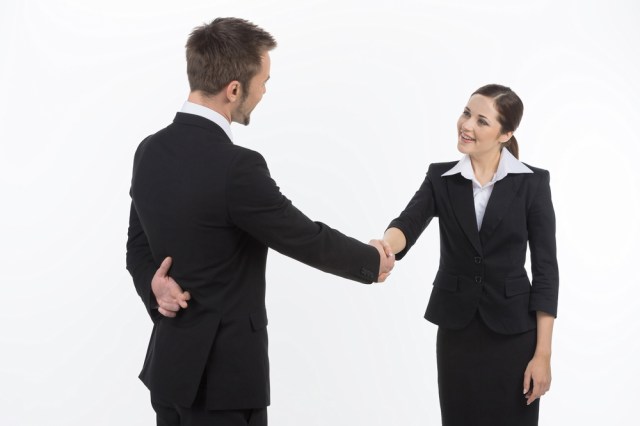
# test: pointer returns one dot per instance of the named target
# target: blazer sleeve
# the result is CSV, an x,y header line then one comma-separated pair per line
x,y
541,227
140,263
257,206
416,215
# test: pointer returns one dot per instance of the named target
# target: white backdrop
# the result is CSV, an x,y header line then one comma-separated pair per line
x,y
363,96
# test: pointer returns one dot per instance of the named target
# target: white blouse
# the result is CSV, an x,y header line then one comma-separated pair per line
x,y
508,164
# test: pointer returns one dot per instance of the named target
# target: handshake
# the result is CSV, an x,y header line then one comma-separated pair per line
x,y
387,258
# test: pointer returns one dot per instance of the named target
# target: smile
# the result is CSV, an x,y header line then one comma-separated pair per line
x,y
466,138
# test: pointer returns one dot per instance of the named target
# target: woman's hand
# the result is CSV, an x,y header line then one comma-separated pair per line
x,y
539,371
395,239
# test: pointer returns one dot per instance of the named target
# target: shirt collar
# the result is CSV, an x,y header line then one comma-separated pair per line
x,y
209,114
508,164
463,167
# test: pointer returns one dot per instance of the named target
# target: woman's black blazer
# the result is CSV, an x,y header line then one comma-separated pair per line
x,y
484,271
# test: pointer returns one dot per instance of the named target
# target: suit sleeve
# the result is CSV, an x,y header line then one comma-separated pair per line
x,y
140,263
416,216
541,226
257,206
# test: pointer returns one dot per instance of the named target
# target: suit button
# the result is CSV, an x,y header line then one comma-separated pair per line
x,y
477,259
478,279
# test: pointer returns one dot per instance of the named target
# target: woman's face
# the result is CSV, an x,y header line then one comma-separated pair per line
x,y
479,128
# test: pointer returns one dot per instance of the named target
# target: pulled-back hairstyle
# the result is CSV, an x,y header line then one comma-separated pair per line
x,y
510,109
225,50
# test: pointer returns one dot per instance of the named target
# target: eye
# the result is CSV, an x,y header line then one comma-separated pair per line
x,y
482,122
466,113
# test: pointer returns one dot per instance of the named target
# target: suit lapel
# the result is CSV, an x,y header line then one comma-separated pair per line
x,y
502,195
461,198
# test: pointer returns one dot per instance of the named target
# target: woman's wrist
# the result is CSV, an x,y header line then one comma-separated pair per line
x,y
543,353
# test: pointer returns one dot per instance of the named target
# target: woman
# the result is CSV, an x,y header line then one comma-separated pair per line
x,y
494,336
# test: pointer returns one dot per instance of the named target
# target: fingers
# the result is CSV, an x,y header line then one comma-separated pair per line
x,y
536,393
387,248
175,298
387,258
172,303
383,277
177,295
390,263
168,293
163,270
526,384
169,306
166,313
183,299
540,387
183,303
541,384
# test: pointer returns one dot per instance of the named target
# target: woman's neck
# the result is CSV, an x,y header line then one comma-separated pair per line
x,y
485,166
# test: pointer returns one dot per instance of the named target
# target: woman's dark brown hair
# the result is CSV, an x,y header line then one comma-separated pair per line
x,y
225,50
510,109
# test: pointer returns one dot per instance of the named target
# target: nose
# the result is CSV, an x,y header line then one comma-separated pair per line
x,y
465,124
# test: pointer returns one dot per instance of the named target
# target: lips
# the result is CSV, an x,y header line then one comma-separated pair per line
x,y
466,138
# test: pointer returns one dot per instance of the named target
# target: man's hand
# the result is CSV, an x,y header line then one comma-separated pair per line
x,y
168,293
387,258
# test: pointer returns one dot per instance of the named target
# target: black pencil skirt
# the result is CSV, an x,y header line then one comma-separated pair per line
x,y
480,376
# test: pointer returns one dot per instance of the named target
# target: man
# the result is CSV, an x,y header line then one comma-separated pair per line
x,y
212,206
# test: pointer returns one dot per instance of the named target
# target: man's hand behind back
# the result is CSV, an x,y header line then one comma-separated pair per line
x,y
168,293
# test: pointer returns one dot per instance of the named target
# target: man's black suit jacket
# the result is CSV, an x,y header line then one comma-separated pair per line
x,y
484,271
214,208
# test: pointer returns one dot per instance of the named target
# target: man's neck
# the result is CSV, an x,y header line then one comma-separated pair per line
x,y
214,103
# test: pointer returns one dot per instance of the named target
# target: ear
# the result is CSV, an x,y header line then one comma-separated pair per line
x,y
233,91
505,137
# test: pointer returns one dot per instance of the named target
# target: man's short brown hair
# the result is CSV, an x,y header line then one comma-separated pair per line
x,y
225,50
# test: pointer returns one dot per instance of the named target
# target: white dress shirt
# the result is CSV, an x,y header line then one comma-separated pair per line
x,y
508,164
209,114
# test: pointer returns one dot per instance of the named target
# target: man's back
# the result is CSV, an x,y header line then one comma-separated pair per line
x,y
213,208
180,190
